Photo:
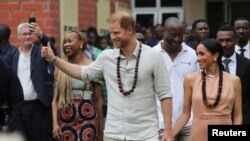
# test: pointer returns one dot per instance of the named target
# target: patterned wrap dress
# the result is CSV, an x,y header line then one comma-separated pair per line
x,y
79,120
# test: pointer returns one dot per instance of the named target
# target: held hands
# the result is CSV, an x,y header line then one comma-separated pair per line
x,y
47,53
166,135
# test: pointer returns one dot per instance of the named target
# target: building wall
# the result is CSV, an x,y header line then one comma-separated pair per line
x,y
194,9
105,8
87,13
48,15
13,12
103,12
113,4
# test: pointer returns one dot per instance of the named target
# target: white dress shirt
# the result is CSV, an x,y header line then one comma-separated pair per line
x,y
232,65
184,63
132,117
247,50
24,75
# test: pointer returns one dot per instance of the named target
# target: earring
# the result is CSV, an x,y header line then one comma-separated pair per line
x,y
81,46
214,60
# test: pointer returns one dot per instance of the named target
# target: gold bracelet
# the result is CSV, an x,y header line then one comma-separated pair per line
x,y
53,60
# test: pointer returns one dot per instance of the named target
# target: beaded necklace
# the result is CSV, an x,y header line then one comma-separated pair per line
x,y
204,95
125,93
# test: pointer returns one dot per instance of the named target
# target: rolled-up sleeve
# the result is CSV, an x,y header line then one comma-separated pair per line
x,y
93,71
161,78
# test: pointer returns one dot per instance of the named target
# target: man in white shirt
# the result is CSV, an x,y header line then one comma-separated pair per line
x,y
180,60
241,26
37,80
134,74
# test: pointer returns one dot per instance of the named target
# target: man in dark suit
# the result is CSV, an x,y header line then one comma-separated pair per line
x,y
242,27
11,93
238,65
36,77
11,98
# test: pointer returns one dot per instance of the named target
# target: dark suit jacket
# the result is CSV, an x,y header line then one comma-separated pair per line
x,y
42,74
11,96
5,50
243,72
192,44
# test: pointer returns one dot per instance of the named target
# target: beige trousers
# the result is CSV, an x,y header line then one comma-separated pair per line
x,y
154,138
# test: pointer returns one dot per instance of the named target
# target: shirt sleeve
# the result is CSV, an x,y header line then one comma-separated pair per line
x,y
93,71
161,78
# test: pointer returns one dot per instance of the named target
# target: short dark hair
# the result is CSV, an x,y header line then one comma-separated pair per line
x,y
240,19
4,33
194,25
227,27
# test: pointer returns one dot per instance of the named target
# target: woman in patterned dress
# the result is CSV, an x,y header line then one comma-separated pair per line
x,y
77,105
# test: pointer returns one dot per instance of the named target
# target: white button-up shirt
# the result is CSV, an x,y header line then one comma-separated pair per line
x,y
232,65
24,75
184,63
132,117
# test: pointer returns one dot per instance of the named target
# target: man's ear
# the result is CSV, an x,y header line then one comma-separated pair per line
x,y
130,30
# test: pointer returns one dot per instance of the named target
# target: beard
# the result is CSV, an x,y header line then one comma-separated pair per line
x,y
120,43
242,39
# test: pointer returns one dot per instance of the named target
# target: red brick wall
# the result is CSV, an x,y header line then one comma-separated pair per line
x,y
13,12
87,13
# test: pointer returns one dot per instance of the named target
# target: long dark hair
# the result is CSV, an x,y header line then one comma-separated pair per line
x,y
214,46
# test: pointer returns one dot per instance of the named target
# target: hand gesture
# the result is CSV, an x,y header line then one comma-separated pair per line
x,y
48,54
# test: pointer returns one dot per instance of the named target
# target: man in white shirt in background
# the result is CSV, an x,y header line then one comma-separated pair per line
x,y
180,60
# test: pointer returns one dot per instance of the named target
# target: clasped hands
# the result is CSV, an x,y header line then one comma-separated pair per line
x,y
166,136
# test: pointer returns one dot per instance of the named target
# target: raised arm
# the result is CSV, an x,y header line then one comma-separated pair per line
x,y
185,115
70,69
43,38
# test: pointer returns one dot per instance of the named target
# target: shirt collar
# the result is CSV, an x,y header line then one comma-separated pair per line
x,y
246,47
135,53
20,49
233,57
184,48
